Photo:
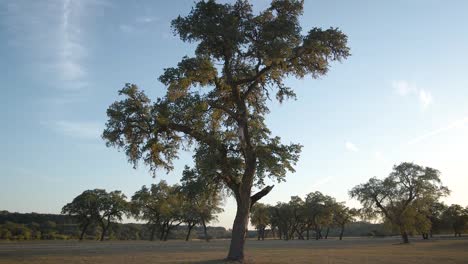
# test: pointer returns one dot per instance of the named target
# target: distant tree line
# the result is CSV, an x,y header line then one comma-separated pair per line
x,y
33,226
407,202
195,201
311,217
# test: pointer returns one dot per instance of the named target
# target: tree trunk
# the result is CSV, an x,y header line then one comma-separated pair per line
x,y
236,249
153,231
307,233
404,235
83,231
168,228
104,230
326,234
205,230
163,232
190,226
103,233
341,233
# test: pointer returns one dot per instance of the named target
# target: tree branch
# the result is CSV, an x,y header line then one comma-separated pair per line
x,y
259,195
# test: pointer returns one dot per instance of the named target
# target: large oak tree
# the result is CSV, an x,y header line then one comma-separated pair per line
x,y
241,58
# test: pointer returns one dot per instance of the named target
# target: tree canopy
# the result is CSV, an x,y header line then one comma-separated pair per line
x,y
216,101
401,196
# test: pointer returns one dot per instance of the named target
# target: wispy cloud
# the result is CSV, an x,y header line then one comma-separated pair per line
x,y
425,98
139,24
72,51
320,183
351,147
79,129
457,124
51,35
146,19
404,88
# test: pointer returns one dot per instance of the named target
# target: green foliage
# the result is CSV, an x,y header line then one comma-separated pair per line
x,y
239,59
201,198
403,198
161,206
226,118
97,207
85,207
260,218
456,217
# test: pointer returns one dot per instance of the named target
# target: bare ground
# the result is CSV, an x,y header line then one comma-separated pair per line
x,y
350,250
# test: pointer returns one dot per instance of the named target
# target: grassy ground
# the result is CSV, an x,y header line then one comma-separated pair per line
x,y
351,250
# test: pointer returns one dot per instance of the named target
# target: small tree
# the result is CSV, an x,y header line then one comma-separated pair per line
x,y
318,212
260,218
456,218
342,216
201,200
112,207
85,208
160,206
241,58
396,198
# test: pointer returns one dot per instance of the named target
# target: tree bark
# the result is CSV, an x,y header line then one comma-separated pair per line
x,y
103,233
205,231
190,226
83,231
341,233
153,231
167,233
236,249
163,232
405,238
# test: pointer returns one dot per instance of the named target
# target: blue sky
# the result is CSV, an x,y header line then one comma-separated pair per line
x,y
401,96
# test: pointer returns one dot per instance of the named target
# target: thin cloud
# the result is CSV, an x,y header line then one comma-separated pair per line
x,y
320,183
146,19
79,129
51,36
351,147
425,98
404,88
457,124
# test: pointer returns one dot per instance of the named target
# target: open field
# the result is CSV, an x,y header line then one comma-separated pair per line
x,y
351,250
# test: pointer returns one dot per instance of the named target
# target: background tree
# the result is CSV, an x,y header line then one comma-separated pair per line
x,y
342,216
112,207
396,198
145,205
435,216
456,217
201,200
240,58
284,216
160,206
318,212
85,208
260,218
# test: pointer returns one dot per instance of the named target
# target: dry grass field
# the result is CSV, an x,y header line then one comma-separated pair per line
x,y
351,250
